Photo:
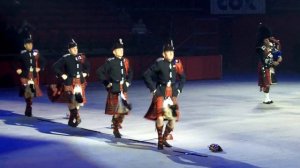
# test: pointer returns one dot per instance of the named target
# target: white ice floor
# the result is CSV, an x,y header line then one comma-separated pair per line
x,y
228,112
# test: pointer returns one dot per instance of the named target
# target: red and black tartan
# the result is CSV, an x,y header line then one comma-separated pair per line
x,y
156,107
111,107
24,81
63,94
264,78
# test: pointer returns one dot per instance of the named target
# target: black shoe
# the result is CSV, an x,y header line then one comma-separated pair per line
x,y
268,102
160,146
28,112
166,144
72,124
71,121
117,134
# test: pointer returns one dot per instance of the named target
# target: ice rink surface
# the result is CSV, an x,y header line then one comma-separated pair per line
x,y
228,112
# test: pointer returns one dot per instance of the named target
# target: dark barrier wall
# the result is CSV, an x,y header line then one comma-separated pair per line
x,y
196,68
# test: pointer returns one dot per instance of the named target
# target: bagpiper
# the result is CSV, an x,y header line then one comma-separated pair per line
x,y
269,55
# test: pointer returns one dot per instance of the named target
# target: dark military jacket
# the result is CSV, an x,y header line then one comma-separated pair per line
x,y
30,60
265,57
114,71
72,66
163,71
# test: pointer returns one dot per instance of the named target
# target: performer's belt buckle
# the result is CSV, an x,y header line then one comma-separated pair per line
x,y
77,89
30,81
169,84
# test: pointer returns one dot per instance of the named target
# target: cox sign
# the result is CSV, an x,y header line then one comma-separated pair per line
x,y
237,6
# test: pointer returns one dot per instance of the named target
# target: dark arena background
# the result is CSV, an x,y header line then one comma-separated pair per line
x,y
220,103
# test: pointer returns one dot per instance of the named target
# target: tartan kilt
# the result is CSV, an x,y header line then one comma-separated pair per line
x,y
60,93
111,107
38,91
264,78
156,107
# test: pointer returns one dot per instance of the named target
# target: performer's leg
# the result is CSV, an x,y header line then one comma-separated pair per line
x,y
28,99
169,128
74,119
112,122
116,121
267,95
68,115
28,110
121,119
78,118
159,128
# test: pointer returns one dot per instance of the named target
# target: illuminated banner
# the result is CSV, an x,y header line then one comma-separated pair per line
x,y
237,6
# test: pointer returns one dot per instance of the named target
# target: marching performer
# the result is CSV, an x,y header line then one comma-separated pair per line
x,y
166,70
116,76
268,52
30,63
72,69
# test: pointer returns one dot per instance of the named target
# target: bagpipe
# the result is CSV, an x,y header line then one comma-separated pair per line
x,y
275,46
276,55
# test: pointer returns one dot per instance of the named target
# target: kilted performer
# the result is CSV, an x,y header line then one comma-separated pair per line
x,y
116,76
29,64
265,52
71,69
165,79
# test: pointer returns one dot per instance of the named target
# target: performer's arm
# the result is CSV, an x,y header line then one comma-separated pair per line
x,y
130,75
148,77
279,59
86,67
101,73
17,66
42,62
263,53
181,74
57,67
277,42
